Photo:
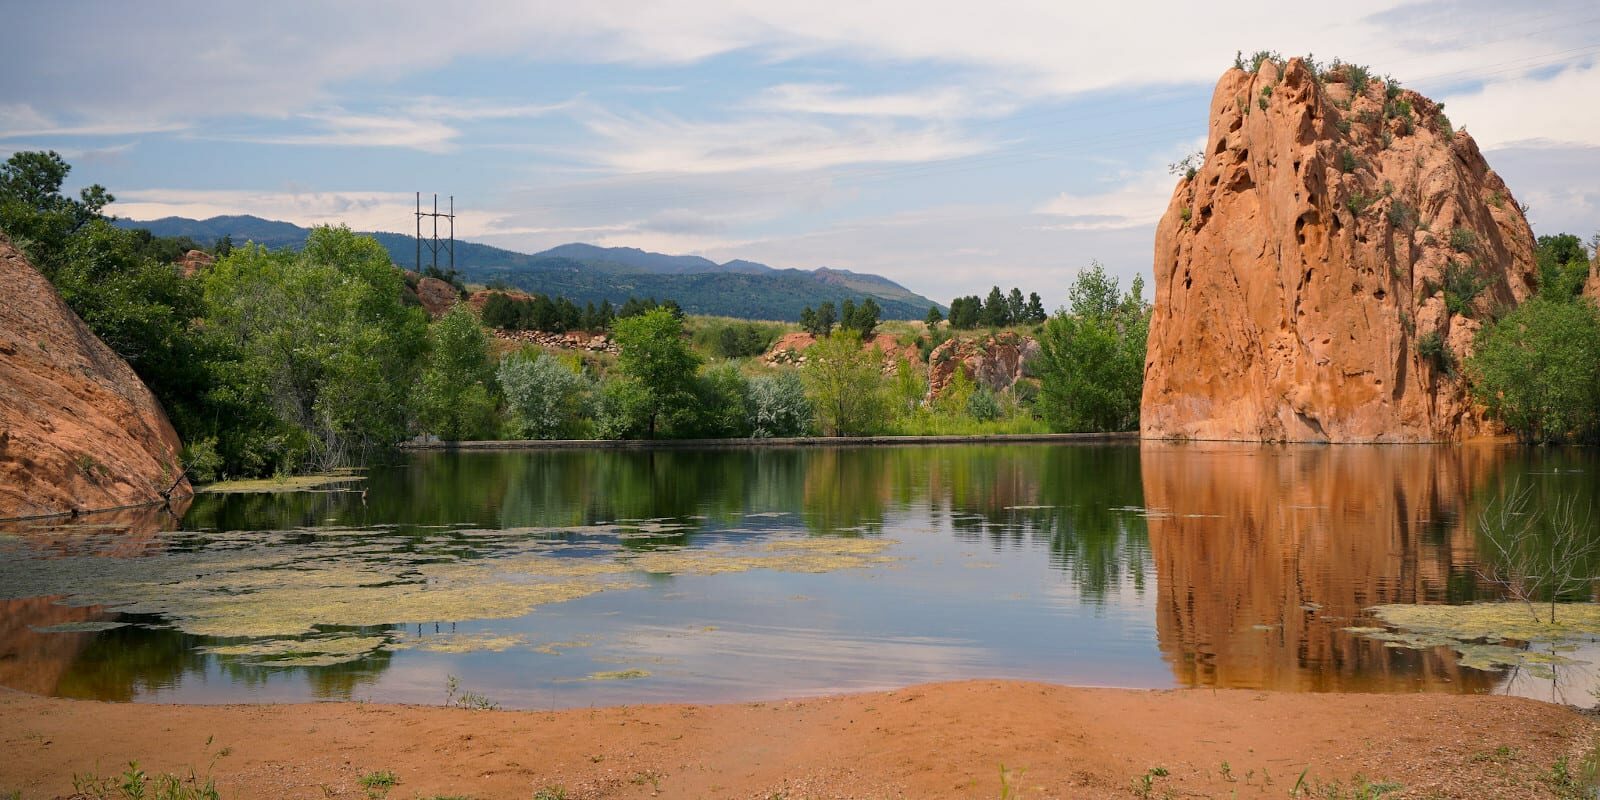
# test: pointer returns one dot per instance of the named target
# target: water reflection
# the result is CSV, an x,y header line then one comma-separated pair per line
x,y
1156,565
1264,554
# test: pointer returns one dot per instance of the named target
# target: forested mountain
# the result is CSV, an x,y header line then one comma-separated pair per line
x,y
588,273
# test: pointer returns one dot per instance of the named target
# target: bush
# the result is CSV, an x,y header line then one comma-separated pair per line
x,y
546,400
1462,283
1433,350
1538,370
778,406
726,339
844,385
982,405
724,404
660,368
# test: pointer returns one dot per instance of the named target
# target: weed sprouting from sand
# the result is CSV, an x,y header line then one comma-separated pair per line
x,y
456,697
1359,788
135,784
1146,783
377,784
1008,789
1575,783
550,793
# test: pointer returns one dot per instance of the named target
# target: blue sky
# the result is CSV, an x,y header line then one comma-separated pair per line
x,y
947,146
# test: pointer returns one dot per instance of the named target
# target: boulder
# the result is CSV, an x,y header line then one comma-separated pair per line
x,y
1305,272
194,261
437,296
997,361
78,430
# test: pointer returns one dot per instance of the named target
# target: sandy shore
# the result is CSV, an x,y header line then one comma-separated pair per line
x,y
940,740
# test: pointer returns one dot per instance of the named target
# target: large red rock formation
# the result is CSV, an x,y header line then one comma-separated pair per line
x,y
78,430
1303,270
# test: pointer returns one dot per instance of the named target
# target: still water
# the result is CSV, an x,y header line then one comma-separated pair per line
x,y
568,578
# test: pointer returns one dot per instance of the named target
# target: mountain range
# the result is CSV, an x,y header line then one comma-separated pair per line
x,y
588,273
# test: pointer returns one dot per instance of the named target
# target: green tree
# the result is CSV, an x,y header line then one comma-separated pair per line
x,y
1091,360
996,312
456,396
825,320
934,318
723,403
1016,307
326,337
843,383
658,362
1563,264
1035,310
34,212
1538,369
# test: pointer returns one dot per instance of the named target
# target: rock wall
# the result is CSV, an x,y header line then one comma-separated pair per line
x,y
78,430
997,361
1302,271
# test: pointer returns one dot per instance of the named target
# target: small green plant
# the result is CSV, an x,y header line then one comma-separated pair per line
x,y
1266,94
1574,784
1009,790
1145,784
1188,166
1462,283
1442,124
649,776
1227,772
456,697
553,792
135,784
1358,77
1463,240
1402,215
378,784
1498,199
1432,349
1185,214
1359,789
1344,125
1348,161
1358,202
1262,56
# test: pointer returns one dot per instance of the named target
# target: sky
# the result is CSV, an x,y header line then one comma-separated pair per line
x,y
947,146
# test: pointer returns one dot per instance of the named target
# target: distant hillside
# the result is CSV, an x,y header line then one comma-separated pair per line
x,y
587,273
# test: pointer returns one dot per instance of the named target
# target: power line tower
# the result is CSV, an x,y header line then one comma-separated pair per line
x,y
434,245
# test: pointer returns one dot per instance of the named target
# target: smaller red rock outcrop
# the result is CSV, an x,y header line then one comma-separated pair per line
x,y
194,261
997,361
78,430
437,296
791,349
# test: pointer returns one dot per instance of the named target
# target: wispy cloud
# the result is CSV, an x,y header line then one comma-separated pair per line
x,y
642,144
834,99
22,120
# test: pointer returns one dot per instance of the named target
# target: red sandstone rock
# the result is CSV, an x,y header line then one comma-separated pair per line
x,y
1294,283
997,361
194,261
78,430
437,296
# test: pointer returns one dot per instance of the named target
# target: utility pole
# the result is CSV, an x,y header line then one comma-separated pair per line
x,y
434,244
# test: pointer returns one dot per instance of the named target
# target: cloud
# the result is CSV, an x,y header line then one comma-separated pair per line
x,y
646,144
1548,111
19,120
339,128
361,210
833,99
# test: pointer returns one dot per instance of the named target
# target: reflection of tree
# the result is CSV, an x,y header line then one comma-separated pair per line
x,y
124,663
1263,555
1537,538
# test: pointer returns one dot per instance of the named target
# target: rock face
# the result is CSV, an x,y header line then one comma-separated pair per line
x,y
1320,276
194,261
78,430
437,296
997,361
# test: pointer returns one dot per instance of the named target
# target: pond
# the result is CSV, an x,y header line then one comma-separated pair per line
x,y
547,579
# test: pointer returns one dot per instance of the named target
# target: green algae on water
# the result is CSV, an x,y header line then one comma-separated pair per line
x,y
286,483
1479,632
619,675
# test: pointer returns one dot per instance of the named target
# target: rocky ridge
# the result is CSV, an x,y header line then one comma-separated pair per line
x,y
78,430
1321,275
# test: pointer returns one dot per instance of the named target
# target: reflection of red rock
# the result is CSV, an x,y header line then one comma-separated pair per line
x,y
1298,541
78,430
32,661
1299,269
